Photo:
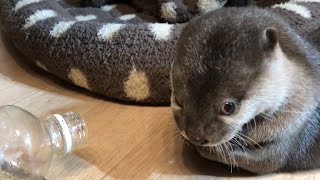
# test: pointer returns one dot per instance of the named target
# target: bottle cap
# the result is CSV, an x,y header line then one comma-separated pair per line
x,y
73,130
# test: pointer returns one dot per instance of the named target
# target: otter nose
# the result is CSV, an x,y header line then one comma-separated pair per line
x,y
198,140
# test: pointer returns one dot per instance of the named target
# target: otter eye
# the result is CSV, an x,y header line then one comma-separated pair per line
x,y
228,108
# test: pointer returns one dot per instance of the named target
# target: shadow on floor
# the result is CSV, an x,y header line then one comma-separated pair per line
x,y
201,166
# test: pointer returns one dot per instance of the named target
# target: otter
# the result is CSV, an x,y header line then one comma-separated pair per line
x,y
245,91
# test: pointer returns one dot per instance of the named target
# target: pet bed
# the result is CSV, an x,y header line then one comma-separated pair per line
x,y
122,51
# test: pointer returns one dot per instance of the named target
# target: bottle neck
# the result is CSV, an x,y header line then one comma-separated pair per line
x,y
66,132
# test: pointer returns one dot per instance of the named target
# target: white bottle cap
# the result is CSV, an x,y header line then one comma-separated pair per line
x,y
66,132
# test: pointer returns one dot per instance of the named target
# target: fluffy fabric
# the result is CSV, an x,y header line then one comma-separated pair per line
x,y
120,50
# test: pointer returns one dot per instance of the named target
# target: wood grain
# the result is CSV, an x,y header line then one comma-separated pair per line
x,y
125,141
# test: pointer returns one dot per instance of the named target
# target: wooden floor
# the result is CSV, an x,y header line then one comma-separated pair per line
x,y
125,141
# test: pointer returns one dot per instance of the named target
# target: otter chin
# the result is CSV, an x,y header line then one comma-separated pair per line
x,y
245,86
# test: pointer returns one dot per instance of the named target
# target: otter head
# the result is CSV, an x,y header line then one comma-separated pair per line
x,y
229,68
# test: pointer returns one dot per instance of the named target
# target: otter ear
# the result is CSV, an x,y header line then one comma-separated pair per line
x,y
270,38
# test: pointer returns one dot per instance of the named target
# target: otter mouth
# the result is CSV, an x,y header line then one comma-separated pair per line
x,y
241,142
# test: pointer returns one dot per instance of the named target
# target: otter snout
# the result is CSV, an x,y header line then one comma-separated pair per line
x,y
197,137
200,133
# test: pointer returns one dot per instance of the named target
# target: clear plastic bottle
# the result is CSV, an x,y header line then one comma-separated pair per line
x,y
27,144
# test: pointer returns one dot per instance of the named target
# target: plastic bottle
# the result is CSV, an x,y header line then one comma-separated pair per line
x,y
27,145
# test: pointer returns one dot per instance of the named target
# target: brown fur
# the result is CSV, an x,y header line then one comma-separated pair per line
x,y
255,59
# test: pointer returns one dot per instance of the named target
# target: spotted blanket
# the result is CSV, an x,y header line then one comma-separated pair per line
x,y
122,51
